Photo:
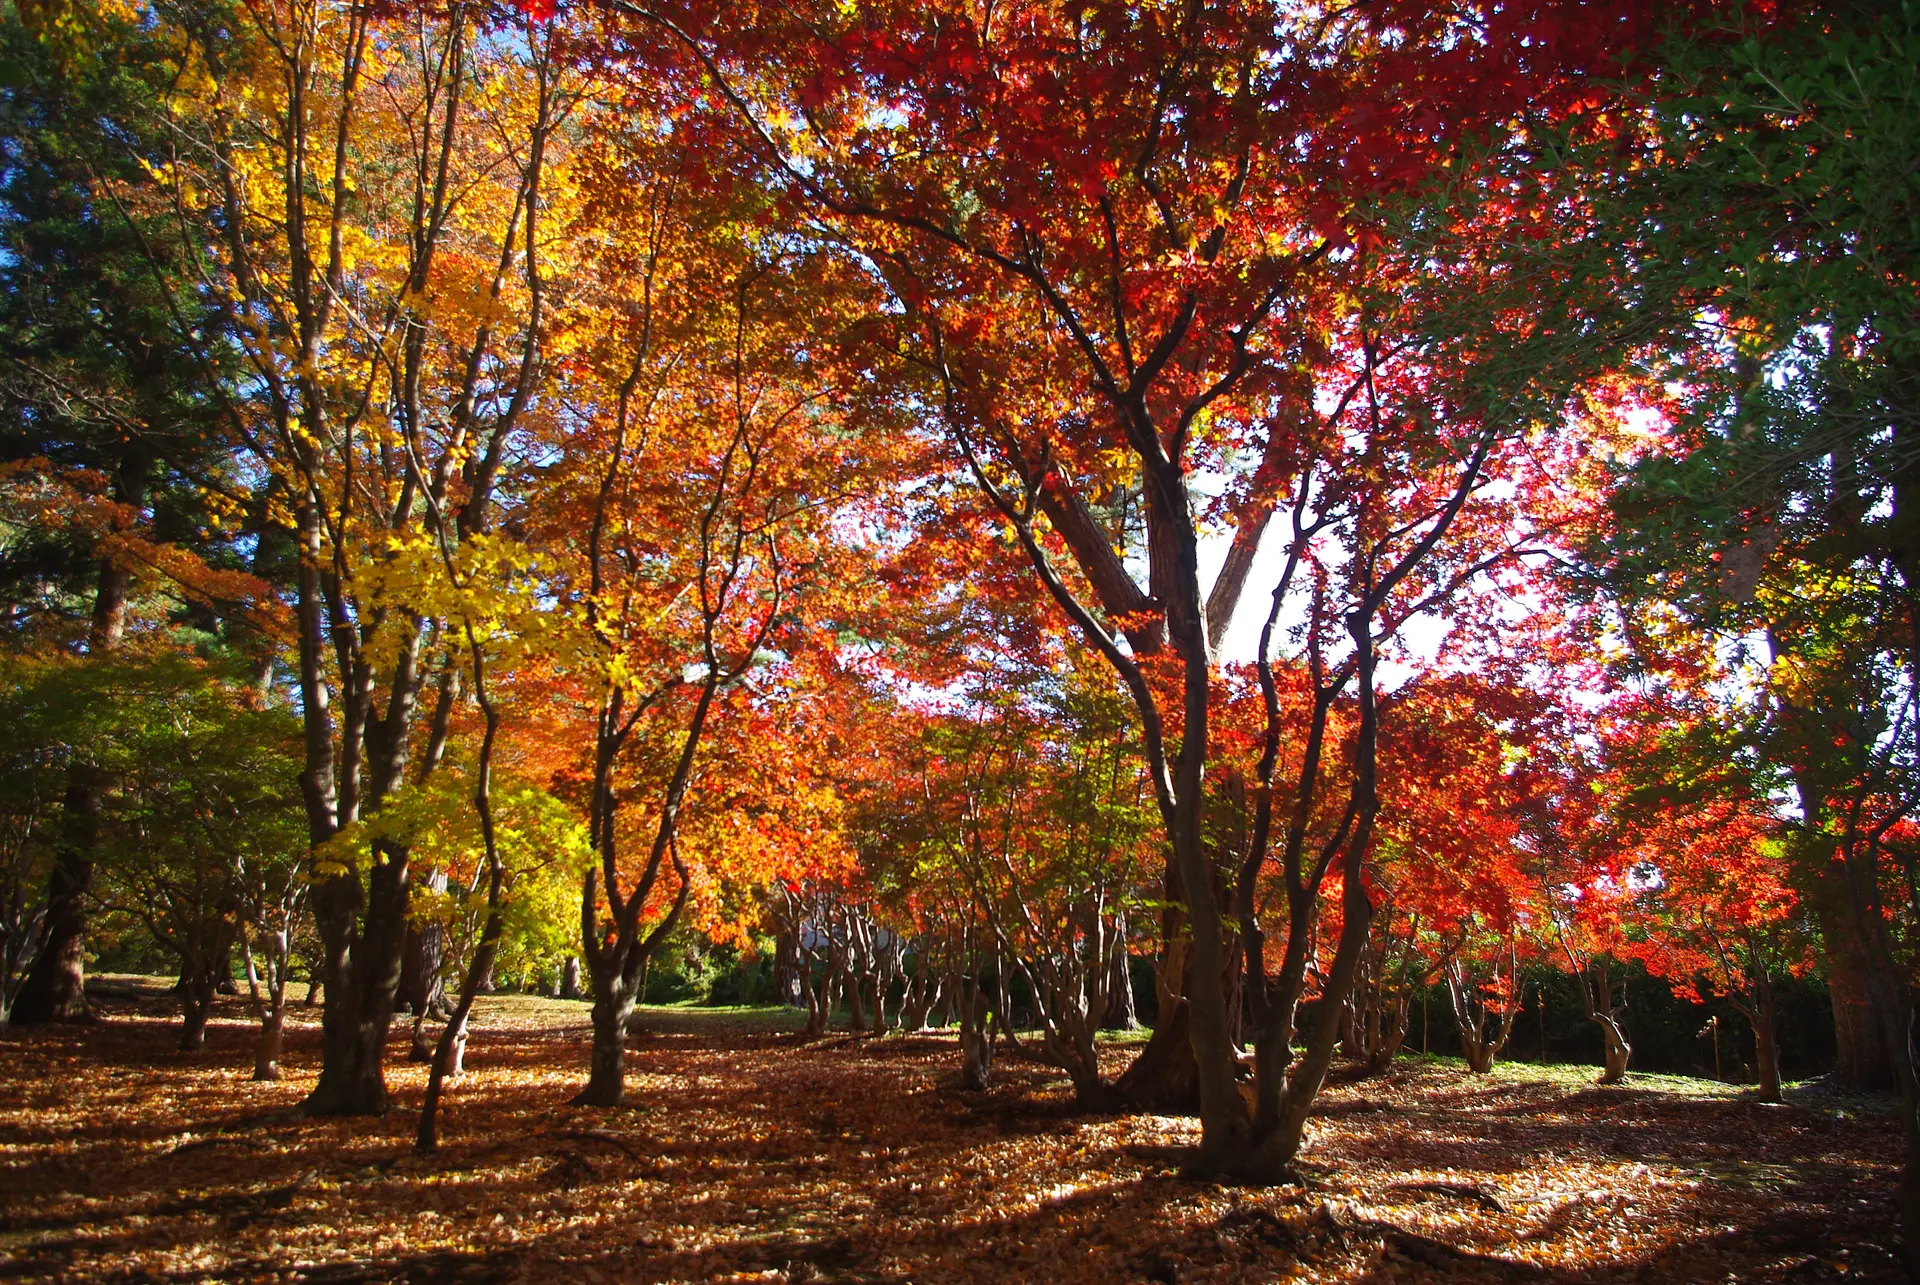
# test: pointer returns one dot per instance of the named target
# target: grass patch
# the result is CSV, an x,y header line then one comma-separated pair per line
x,y
1139,1035
689,1018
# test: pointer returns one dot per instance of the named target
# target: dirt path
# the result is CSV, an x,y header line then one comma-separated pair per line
x,y
751,1157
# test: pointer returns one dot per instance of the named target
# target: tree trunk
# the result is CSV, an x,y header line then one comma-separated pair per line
x,y
223,971
976,1058
55,989
359,995
570,978
924,990
1479,1056
1286,1095
196,1005
1766,1057
1164,1077
266,1055
269,1001
787,966
457,1053
1902,1057
1122,1014
880,986
1618,1051
422,987
976,1035
352,1081
1388,1033
1225,1129
419,1047
1596,998
856,1003
1078,1054
1891,1006
449,1059
1766,1050
361,920
606,1075
1860,1059
1471,1014
816,990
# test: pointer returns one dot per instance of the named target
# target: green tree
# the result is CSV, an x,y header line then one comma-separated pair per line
x,y
1778,193
204,842
112,379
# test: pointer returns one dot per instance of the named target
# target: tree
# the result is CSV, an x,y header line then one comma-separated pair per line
x,y
1585,885
1114,242
1483,985
694,524
37,704
1779,196
110,434
1042,817
537,842
1717,908
390,354
273,922
203,839
1462,756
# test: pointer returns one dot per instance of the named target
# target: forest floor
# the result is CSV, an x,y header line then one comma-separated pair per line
x,y
751,1156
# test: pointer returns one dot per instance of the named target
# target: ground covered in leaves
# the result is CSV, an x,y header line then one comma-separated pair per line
x,y
749,1155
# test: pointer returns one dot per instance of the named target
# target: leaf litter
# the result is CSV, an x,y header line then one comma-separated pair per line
x,y
748,1155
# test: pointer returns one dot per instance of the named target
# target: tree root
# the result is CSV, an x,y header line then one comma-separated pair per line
x,y
1459,1191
